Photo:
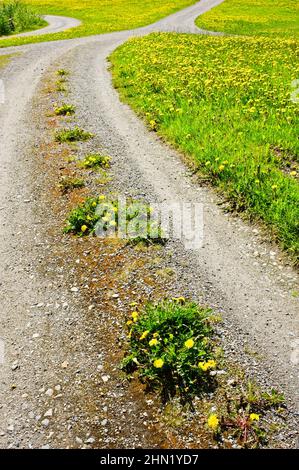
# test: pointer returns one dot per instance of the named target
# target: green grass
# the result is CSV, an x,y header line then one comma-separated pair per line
x,y
254,17
224,102
100,16
16,17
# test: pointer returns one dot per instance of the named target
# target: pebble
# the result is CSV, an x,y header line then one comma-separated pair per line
x,y
91,440
49,413
104,422
105,378
74,289
45,423
15,366
49,392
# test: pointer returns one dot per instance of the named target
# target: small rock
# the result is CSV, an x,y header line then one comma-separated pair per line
x,y
49,413
78,440
49,392
104,422
45,423
15,366
91,440
57,388
105,378
74,289
65,365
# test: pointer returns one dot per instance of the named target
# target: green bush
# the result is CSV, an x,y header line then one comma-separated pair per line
x,y
171,347
16,17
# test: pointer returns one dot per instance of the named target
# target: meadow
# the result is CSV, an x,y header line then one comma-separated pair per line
x,y
254,17
225,103
100,16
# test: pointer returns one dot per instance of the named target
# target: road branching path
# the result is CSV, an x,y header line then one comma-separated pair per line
x,y
57,385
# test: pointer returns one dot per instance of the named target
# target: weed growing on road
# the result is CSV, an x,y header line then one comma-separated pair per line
x,y
68,183
64,110
103,177
225,102
4,60
61,85
72,135
132,220
171,347
62,72
95,160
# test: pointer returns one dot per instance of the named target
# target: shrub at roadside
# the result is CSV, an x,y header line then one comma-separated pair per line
x,y
16,17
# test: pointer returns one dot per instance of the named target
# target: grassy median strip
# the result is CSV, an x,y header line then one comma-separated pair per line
x,y
254,17
226,103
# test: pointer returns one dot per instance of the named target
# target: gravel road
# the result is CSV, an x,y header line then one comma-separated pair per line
x,y
236,270
56,24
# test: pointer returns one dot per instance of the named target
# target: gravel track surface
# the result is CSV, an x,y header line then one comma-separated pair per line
x,y
237,271
56,24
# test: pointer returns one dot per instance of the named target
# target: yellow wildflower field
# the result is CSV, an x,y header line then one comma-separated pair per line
x,y
254,17
227,103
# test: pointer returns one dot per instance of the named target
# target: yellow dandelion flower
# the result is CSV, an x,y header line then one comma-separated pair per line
x,y
144,335
254,417
102,197
189,343
134,315
155,335
84,228
129,322
210,364
213,422
158,363
153,342
293,173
